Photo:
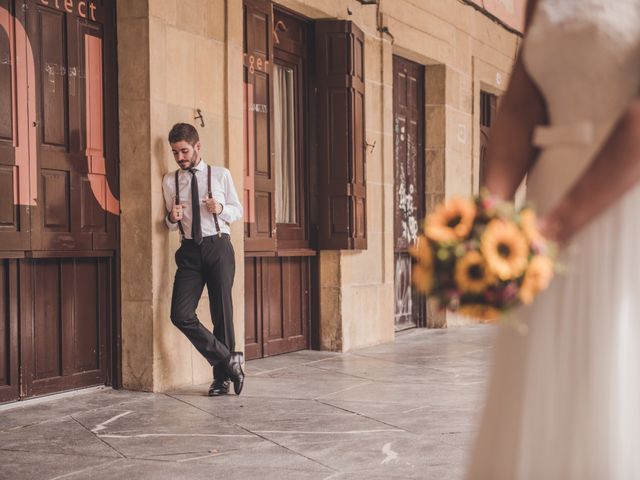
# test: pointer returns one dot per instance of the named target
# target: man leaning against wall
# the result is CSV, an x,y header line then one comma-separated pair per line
x,y
201,202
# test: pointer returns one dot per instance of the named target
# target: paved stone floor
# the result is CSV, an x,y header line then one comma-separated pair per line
x,y
396,411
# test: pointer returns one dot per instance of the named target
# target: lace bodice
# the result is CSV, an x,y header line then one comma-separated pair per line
x,y
584,55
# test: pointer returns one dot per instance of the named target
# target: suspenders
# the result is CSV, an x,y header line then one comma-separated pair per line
x,y
178,203
215,215
209,194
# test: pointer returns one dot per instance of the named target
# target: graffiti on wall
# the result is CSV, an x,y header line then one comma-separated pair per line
x,y
406,193
403,291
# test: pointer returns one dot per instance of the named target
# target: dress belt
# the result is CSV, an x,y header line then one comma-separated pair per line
x,y
577,134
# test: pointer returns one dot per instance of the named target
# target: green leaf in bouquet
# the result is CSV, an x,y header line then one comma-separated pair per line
x,y
443,254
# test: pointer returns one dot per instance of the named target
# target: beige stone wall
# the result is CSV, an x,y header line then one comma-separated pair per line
x,y
179,55
175,56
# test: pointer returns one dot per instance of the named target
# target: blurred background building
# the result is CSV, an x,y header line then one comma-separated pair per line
x,y
341,121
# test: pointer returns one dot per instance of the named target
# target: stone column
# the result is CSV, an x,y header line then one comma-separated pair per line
x,y
174,57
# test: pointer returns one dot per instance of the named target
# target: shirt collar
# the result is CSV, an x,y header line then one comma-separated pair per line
x,y
201,165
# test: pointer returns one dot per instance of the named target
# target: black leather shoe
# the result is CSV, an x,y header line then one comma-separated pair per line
x,y
219,387
234,369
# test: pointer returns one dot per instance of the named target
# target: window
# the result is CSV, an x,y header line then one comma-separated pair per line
x,y
284,113
488,103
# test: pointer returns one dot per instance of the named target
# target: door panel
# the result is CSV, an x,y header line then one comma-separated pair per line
x,y
277,303
14,131
56,219
260,231
409,181
9,381
66,319
252,309
47,321
52,87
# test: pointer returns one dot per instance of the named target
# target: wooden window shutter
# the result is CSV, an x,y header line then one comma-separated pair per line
x,y
259,203
341,135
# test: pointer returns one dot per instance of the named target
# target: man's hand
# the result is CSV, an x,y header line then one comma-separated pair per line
x,y
175,215
212,205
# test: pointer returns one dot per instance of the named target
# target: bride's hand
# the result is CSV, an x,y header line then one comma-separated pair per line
x,y
550,230
556,226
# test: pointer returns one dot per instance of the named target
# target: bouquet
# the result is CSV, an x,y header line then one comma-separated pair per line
x,y
481,257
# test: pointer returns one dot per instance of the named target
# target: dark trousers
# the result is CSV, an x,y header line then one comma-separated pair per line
x,y
212,264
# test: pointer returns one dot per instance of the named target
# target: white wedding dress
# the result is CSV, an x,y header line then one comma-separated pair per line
x,y
564,396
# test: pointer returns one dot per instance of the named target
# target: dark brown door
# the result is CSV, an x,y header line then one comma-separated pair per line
x,y
260,223
409,181
63,157
277,249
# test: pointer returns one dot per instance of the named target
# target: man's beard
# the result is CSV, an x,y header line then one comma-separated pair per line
x,y
191,163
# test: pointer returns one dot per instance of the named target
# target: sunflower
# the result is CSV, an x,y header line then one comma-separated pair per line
x,y
505,248
536,278
472,274
529,223
422,278
451,221
478,311
422,252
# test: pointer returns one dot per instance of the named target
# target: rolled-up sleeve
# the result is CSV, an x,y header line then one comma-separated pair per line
x,y
168,188
232,208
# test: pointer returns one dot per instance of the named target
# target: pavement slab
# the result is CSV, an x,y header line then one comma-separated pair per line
x,y
401,410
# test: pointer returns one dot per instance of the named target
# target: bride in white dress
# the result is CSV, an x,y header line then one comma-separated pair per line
x,y
564,397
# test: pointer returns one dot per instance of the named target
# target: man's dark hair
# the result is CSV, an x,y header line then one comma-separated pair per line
x,y
183,131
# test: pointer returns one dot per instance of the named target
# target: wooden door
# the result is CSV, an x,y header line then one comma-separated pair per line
x,y
61,223
277,299
409,181
65,305
259,185
277,247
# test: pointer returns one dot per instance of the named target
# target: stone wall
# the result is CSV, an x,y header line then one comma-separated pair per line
x,y
179,55
175,56
464,51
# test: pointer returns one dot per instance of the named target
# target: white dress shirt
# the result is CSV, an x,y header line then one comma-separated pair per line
x,y
222,189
